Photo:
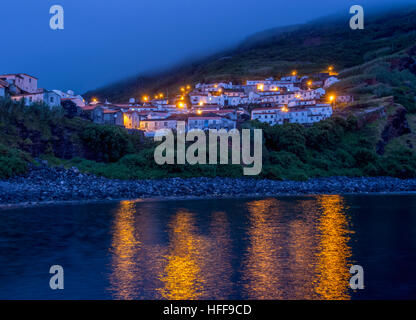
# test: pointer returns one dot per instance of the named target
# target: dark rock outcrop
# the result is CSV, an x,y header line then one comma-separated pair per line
x,y
404,63
396,126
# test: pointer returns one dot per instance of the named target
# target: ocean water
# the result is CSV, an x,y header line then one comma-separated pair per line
x,y
270,248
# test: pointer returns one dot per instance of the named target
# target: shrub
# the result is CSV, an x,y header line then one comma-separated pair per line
x,y
139,160
399,163
284,159
107,143
364,156
70,108
12,162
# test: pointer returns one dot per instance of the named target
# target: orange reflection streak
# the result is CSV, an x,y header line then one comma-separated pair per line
x,y
302,246
182,277
332,269
262,272
125,246
218,268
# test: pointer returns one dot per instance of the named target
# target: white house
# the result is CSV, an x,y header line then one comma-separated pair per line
x,y
69,95
131,119
330,81
298,102
321,109
284,98
204,98
47,97
303,115
22,81
151,126
3,86
210,122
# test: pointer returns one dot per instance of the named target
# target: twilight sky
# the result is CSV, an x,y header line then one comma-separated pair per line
x,y
108,40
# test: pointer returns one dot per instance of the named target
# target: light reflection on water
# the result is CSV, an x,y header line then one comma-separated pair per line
x,y
283,250
333,251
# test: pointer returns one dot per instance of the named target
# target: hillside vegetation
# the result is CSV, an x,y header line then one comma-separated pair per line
x,y
332,147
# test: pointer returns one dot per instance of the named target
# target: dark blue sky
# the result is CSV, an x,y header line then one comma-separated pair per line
x,y
108,40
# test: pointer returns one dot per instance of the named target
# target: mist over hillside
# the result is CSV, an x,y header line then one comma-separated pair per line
x,y
308,48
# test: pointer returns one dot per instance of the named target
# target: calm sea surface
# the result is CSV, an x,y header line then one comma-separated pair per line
x,y
272,248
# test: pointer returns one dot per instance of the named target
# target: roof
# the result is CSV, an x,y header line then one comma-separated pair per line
x,y
88,108
206,106
18,75
160,120
120,105
4,83
223,111
204,118
111,111
298,109
177,117
265,109
266,113
31,93
320,105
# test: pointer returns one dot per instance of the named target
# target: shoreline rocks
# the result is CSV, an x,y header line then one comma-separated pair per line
x,y
47,184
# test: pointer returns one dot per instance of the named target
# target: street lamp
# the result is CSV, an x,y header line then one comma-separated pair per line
x,y
332,100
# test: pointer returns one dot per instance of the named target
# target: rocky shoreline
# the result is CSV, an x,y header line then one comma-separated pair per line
x,y
52,185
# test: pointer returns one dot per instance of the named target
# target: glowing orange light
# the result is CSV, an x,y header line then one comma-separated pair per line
x,y
331,98
294,73
260,87
199,111
201,103
180,105
285,109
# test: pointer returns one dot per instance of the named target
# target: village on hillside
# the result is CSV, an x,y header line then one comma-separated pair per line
x,y
204,106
